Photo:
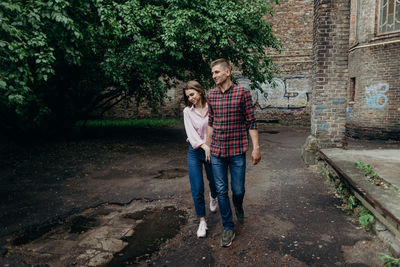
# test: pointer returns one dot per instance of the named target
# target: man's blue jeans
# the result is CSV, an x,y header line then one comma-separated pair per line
x,y
196,160
237,167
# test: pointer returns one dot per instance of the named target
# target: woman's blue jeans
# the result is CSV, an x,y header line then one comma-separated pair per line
x,y
237,167
196,160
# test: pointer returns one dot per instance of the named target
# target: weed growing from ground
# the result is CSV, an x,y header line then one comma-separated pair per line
x,y
370,173
390,260
350,204
373,177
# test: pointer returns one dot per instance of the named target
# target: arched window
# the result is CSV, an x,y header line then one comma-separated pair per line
x,y
389,16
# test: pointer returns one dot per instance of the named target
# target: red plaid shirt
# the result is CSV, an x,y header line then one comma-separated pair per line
x,y
231,115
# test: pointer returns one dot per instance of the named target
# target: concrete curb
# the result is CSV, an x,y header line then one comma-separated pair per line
x,y
383,203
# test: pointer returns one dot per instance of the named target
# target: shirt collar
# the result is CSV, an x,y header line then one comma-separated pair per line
x,y
227,90
193,109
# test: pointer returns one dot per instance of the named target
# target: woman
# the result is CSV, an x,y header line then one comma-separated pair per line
x,y
195,117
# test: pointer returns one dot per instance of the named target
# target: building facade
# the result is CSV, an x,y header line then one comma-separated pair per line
x,y
373,109
356,73
340,72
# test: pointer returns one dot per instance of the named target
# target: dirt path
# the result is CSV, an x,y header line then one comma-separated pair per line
x,y
73,196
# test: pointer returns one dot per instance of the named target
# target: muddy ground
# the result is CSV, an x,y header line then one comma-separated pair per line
x,y
123,199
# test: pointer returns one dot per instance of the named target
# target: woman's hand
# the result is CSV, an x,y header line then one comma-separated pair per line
x,y
207,151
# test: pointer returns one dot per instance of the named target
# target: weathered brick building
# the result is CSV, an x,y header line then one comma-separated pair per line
x,y
340,71
356,80
373,109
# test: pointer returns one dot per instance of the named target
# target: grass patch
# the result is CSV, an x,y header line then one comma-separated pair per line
x,y
350,204
128,123
373,177
113,128
390,260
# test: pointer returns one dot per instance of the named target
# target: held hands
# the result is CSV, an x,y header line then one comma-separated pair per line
x,y
256,156
207,151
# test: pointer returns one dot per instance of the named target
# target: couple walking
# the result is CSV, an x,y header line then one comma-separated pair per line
x,y
217,131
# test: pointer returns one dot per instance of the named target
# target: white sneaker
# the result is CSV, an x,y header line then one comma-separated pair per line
x,y
201,232
213,204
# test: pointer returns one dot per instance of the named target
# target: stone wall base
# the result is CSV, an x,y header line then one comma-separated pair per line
x,y
310,150
372,133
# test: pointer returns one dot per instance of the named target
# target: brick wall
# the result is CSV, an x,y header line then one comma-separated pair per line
x,y
330,73
293,25
374,66
289,101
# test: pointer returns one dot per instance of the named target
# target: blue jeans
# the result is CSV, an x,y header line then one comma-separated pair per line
x,y
237,167
196,160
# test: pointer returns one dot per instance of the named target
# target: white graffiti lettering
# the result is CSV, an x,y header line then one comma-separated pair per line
x,y
286,93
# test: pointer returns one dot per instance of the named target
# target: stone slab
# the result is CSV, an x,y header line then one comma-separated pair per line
x,y
386,163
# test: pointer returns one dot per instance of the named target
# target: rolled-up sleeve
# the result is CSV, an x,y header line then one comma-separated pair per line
x,y
248,110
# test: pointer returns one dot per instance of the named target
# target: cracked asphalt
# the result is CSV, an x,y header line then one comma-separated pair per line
x,y
92,183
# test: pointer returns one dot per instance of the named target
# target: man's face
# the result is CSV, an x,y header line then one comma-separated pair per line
x,y
220,74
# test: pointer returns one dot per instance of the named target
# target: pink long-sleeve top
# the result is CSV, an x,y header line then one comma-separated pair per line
x,y
195,126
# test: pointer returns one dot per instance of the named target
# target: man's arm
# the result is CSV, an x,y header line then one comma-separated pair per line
x,y
210,131
256,154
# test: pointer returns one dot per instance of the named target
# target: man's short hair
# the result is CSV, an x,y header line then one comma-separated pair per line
x,y
223,62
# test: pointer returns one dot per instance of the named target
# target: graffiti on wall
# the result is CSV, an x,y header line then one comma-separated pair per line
x,y
291,92
349,111
375,95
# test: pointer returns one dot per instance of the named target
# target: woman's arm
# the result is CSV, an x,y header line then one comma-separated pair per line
x,y
193,136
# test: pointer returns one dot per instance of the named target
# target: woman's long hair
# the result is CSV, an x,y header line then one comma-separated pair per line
x,y
194,85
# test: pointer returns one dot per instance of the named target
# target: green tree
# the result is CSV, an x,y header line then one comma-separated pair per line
x,y
48,62
59,59
163,40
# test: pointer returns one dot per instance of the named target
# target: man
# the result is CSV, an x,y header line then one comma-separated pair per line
x,y
231,120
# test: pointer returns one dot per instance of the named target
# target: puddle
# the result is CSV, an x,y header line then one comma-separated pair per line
x,y
101,211
154,226
158,226
171,173
81,224
33,233
139,215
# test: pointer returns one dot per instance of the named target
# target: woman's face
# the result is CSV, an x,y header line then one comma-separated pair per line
x,y
193,96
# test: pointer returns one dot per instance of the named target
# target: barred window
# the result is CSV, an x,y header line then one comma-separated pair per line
x,y
389,17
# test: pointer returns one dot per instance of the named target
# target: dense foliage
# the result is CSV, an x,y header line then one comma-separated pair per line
x,y
57,57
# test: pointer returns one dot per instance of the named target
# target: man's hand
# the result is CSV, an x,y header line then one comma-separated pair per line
x,y
256,156
206,149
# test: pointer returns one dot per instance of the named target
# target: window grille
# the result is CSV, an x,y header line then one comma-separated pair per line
x,y
389,17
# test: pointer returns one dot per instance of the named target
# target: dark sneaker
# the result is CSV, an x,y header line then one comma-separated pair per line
x,y
239,214
227,238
